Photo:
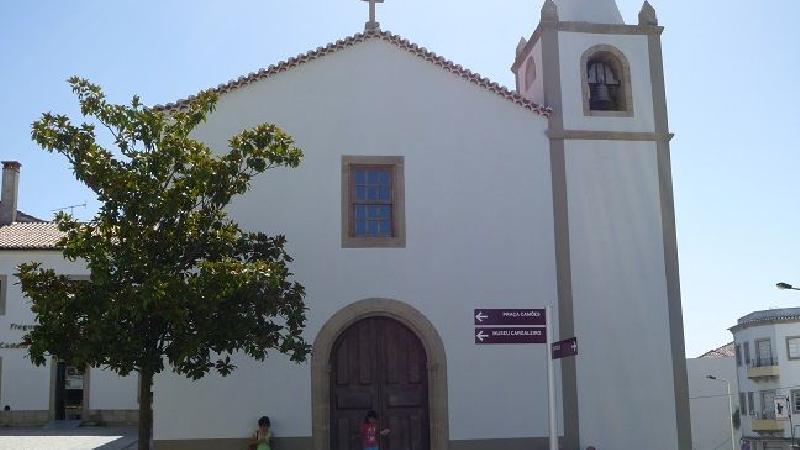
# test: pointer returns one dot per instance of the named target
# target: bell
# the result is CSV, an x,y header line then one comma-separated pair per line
x,y
600,98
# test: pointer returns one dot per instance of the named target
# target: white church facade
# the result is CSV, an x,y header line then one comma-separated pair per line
x,y
427,192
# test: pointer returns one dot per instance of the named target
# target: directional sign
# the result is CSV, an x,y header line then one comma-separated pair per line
x,y
520,317
511,335
565,348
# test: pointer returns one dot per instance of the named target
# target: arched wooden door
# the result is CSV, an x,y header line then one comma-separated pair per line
x,y
378,363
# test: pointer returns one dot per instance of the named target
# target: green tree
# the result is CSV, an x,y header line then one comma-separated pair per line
x,y
174,282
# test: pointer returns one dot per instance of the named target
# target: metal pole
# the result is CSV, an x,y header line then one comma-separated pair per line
x,y
551,376
730,414
791,427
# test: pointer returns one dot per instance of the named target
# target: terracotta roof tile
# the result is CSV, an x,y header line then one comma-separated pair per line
x,y
722,352
350,41
29,236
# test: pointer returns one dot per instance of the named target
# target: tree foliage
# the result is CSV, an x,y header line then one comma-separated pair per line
x,y
174,281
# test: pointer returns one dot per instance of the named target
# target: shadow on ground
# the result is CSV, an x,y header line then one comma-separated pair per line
x,y
67,436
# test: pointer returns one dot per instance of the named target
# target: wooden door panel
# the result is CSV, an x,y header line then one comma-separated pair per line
x,y
354,399
347,433
366,353
405,396
380,364
408,432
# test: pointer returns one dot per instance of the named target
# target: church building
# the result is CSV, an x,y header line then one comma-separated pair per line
x,y
428,192
430,196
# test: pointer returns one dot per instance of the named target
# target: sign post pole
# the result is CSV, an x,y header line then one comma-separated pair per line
x,y
551,375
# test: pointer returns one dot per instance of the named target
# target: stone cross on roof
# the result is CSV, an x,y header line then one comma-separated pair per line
x,y
372,24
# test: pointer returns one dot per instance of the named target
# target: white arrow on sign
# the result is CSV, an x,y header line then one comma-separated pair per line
x,y
481,336
480,316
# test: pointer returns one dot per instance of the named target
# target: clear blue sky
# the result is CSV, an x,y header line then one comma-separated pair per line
x,y
732,69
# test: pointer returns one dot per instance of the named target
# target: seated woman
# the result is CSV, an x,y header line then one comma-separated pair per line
x,y
262,436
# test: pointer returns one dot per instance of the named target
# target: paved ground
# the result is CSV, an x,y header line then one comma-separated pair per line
x,y
68,436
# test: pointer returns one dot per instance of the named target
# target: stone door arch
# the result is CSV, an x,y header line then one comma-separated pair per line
x,y
416,322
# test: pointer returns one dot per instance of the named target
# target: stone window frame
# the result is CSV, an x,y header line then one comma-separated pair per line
x,y
3,289
788,352
765,412
530,67
622,68
398,238
746,353
742,403
773,360
794,398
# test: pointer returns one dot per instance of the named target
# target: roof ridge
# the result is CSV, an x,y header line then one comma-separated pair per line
x,y
38,222
357,38
30,236
722,351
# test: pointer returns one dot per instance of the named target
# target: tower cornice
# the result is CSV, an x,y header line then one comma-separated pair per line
x,y
585,27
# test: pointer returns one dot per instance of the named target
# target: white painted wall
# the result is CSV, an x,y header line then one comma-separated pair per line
x,y
107,390
24,386
536,91
708,402
619,294
789,371
635,48
474,163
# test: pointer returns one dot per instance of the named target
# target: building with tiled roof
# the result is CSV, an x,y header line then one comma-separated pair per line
x,y
30,236
767,354
413,165
708,397
33,394
726,351
370,34
20,231
426,191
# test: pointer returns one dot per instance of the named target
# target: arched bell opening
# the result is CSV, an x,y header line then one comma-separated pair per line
x,y
606,82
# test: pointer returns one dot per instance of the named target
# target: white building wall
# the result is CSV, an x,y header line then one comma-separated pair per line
x,y
535,92
473,162
617,256
755,386
708,400
789,371
107,390
619,295
24,386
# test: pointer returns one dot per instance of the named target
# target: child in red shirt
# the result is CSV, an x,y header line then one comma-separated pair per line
x,y
369,432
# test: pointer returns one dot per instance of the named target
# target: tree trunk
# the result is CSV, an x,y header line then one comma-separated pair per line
x,y
145,409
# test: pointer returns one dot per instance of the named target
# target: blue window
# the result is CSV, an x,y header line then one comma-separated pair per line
x,y
372,201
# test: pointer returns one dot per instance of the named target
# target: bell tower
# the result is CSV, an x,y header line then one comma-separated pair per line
x,y
614,223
